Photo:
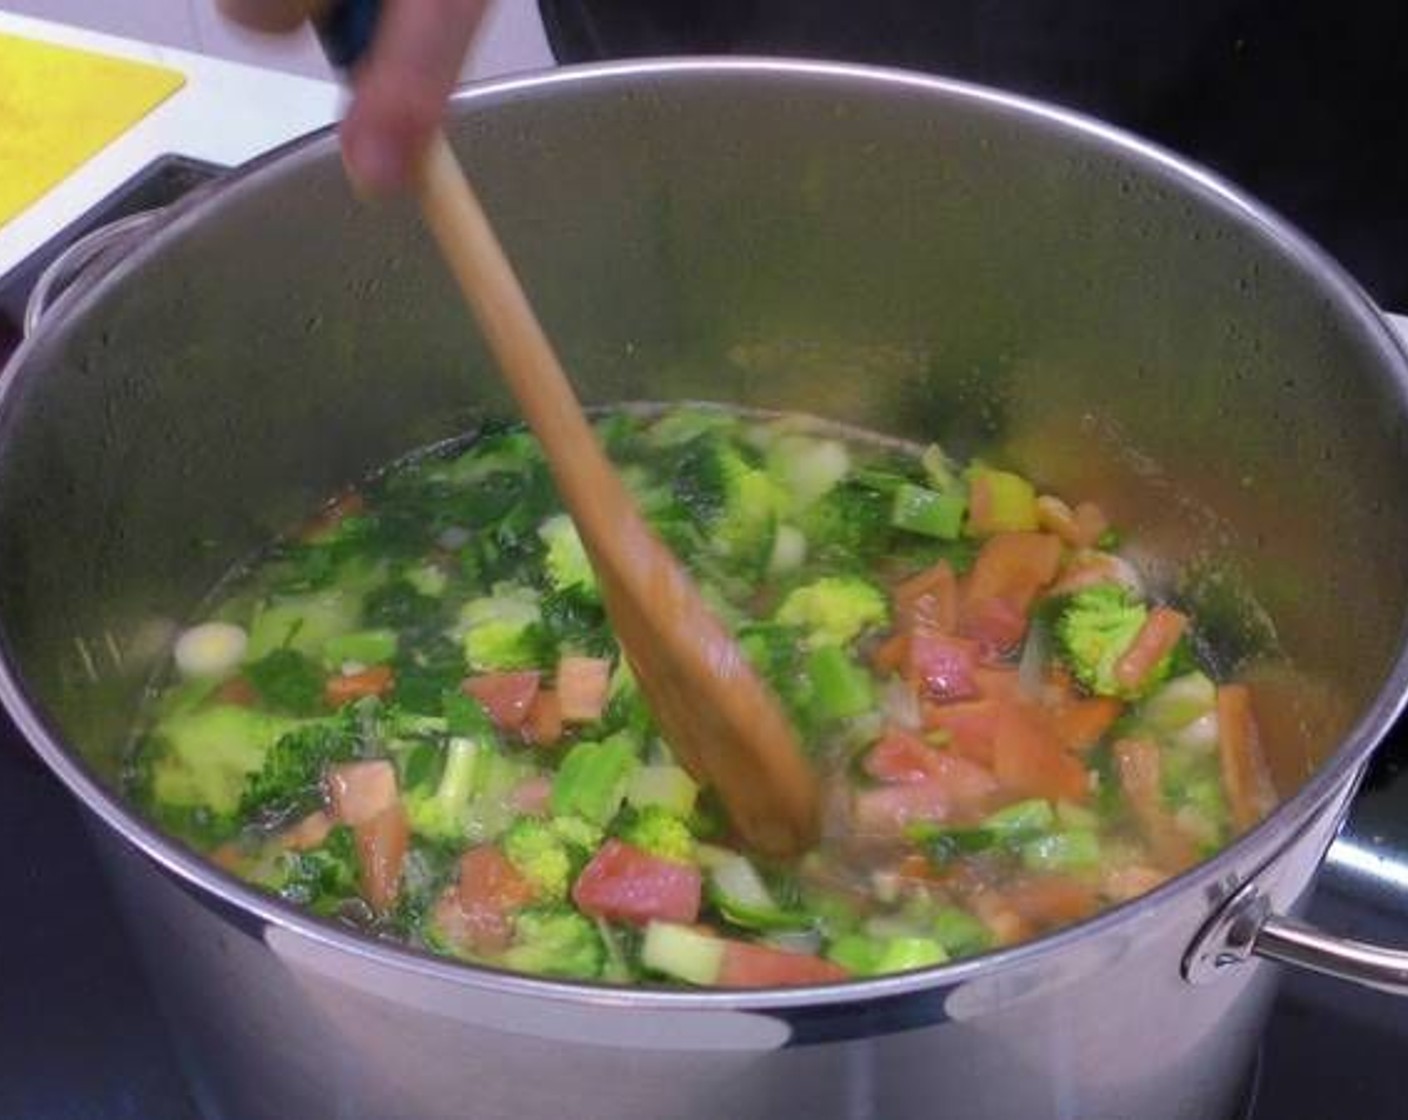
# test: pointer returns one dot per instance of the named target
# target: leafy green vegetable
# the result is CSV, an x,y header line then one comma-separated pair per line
x,y
288,681
397,605
504,630
293,767
320,878
592,778
207,756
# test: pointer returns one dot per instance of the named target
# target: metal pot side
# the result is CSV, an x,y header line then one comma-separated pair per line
x,y
909,255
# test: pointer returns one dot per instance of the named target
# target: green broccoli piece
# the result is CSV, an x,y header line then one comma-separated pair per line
x,y
398,605
1093,631
302,622
848,526
442,813
555,941
735,502
205,758
546,859
656,830
566,561
320,878
293,766
834,609
504,630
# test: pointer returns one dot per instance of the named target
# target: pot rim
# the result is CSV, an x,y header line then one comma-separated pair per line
x,y
1215,874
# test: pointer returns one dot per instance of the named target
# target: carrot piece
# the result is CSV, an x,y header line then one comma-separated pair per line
x,y
1081,723
308,832
1156,638
892,653
1045,901
749,965
1139,766
347,504
346,687
1009,573
1245,777
544,723
1028,758
359,791
237,691
382,843
929,598
582,684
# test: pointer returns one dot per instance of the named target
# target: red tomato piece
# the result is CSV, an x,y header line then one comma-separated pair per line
x,y
1009,573
747,965
1028,758
886,810
903,758
346,687
490,889
359,791
941,667
928,599
582,683
381,851
899,757
997,625
506,697
622,883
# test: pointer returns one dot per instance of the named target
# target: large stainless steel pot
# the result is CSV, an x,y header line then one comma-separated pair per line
x,y
920,257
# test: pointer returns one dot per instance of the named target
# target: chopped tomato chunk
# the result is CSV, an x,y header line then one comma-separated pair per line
x,y
940,667
490,889
346,687
624,884
928,599
582,683
747,965
506,697
359,791
382,843
886,810
902,758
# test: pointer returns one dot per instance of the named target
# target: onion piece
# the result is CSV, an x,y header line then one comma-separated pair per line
x,y
900,704
212,649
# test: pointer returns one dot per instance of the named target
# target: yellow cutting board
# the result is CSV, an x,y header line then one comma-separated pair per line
x,y
59,106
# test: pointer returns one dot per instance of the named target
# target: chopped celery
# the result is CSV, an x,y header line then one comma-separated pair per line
x,y
592,779
368,647
743,898
839,687
871,956
1178,703
1072,850
682,952
669,787
1023,817
927,512
959,932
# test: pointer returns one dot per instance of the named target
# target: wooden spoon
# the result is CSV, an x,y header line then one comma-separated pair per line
x,y
722,722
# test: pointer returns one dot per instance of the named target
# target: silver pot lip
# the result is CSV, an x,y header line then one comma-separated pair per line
x,y
1332,776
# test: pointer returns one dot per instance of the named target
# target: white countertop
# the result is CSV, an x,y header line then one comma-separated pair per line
x,y
226,113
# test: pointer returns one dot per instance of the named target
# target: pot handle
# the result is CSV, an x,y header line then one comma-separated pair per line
x,y
1245,927
87,259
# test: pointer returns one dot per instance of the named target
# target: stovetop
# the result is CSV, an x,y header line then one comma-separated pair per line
x,y
81,1037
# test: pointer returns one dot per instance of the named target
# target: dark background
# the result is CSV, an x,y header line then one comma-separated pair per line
x,y
1304,105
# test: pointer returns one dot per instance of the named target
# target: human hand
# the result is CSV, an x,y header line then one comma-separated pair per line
x,y
399,88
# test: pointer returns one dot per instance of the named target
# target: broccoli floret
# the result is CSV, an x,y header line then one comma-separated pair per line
x,y
320,878
847,526
207,756
734,502
566,561
294,765
1093,631
503,630
441,814
834,609
543,856
656,830
555,941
